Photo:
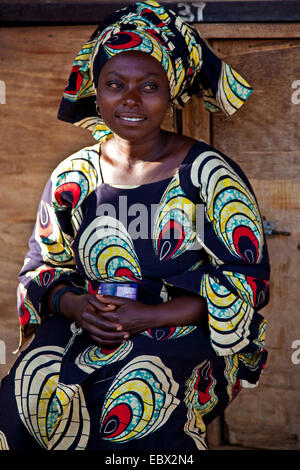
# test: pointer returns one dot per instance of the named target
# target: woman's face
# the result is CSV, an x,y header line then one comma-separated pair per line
x,y
133,95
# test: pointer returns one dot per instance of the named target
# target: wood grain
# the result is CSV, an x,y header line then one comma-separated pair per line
x,y
249,30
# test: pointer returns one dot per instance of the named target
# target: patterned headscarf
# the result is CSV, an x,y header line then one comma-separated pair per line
x,y
191,66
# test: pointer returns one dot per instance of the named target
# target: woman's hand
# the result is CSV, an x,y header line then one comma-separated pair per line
x,y
89,313
132,315
111,320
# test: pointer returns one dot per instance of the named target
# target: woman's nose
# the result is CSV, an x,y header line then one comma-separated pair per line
x,y
131,97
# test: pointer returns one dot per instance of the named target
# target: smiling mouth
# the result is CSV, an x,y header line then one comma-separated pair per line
x,y
132,119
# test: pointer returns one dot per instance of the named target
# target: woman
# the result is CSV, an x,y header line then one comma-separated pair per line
x,y
148,367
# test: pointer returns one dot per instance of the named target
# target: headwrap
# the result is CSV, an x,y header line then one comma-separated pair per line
x,y
191,66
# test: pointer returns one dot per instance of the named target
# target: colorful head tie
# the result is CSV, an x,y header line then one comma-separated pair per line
x,y
191,66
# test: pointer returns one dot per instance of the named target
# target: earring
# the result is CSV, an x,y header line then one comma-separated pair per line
x,y
98,110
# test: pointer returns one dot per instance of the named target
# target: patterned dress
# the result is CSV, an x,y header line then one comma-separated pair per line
x,y
199,230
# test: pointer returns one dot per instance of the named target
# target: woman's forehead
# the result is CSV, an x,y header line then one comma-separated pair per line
x,y
133,61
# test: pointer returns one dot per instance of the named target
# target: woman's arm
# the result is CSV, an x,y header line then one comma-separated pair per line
x,y
186,310
135,317
234,280
48,262
85,310
110,320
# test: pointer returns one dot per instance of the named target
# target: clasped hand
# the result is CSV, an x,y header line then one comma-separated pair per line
x,y
111,320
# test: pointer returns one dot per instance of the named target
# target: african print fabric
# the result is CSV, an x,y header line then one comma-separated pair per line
x,y
191,66
159,389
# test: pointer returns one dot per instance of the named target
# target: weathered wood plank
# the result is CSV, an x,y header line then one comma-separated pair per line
x,y
196,120
249,30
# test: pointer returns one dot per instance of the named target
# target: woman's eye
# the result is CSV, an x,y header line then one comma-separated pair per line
x,y
150,86
113,84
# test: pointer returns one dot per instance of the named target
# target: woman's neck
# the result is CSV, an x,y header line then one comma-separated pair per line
x,y
129,153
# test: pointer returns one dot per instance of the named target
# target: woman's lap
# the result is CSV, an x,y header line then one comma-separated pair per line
x,y
157,391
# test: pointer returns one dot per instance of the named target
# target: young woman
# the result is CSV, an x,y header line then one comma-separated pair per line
x,y
169,227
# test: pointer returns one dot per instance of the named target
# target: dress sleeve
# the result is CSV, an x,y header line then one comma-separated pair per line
x,y
49,260
235,278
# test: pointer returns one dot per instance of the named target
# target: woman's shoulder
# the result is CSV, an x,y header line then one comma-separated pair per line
x,y
201,150
75,178
196,149
203,159
207,168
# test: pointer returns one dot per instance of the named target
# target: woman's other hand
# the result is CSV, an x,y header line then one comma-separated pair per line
x,y
132,315
111,320
88,313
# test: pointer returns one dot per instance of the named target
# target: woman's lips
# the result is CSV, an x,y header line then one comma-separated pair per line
x,y
131,118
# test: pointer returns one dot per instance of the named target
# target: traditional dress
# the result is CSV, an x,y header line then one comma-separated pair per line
x,y
200,231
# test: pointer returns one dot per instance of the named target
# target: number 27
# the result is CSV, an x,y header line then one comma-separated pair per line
x,y
187,11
